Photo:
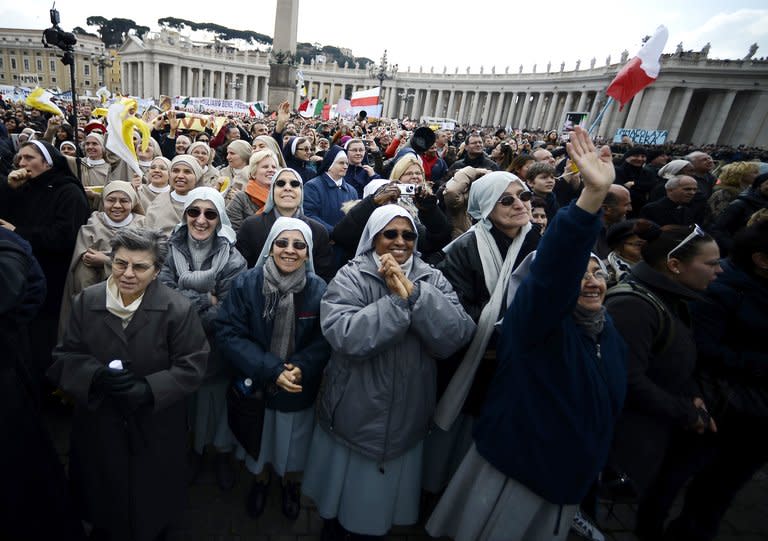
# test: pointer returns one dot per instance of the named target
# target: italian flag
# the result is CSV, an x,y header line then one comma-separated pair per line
x,y
368,101
309,109
641,71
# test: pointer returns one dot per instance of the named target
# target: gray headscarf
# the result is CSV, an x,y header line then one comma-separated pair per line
x,y
205,193
377,221
270,204
287,224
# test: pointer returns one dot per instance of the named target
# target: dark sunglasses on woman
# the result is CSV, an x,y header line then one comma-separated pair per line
x,y
508,199
297,244
194,212
392,234
281,183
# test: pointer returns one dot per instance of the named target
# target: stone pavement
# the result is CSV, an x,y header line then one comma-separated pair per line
x,y
213,515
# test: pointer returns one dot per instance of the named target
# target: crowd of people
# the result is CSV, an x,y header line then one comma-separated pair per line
x,y
489,329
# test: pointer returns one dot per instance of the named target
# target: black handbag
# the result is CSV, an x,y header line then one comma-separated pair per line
x,y
245,415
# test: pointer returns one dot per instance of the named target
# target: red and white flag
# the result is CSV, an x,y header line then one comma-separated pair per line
x,y
368,101
641,71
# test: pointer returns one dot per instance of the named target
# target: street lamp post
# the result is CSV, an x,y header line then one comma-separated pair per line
x,y
102,60
382,71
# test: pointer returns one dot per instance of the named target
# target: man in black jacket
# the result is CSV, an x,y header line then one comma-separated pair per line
x,y
473,156
675,208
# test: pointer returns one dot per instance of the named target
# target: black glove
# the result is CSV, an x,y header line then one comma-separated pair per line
x,y
106,381
424,199
133,395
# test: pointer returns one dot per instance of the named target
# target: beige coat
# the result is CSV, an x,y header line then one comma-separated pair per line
x,y
164,213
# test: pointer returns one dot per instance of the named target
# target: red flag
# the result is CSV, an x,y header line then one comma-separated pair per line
x,y
641,71
326,111
304,105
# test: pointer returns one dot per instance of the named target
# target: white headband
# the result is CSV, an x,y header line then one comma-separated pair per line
x,y
43,151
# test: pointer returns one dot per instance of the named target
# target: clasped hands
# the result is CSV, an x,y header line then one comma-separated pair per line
x,y
290,379
394,277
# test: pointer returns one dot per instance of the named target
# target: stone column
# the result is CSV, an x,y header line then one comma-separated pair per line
x,y
595,110
524,114
141,80
487,106
568,104
462,106
512,107
428,103
156,80
634,110
124,84
416,107
605,123
554,101
451,113
722,115
190,82
475,105
389,101
282,76
582,102
499,108
536,121
199,82
653,106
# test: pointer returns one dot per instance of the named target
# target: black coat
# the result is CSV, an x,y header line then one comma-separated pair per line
x,y
463,268
666,212
254,231
660,386
130,472
48,212
34,500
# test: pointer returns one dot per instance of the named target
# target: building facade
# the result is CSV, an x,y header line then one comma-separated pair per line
x,y
24,61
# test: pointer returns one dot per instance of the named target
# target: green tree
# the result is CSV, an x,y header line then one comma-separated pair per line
x,y
113,32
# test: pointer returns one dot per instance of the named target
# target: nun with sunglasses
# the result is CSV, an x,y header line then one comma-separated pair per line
x,y
285,198
269,331
545,429
478,265
202,262
390,318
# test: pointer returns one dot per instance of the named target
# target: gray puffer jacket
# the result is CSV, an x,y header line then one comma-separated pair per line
x,y
378,394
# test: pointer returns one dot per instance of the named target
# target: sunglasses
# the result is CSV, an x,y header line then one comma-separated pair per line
x,y
194,212
297,244
508,200
392,234
294,183
697,232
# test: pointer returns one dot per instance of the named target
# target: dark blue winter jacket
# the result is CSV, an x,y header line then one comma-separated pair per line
x,y
243,339
549,414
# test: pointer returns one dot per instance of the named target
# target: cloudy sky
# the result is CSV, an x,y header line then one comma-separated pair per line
x,y
464,33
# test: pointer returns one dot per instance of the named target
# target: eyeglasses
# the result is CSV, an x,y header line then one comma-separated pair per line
x,y
392,234
598,275
294,183
122,266
507,200
194,212
697,232
412,174
297,244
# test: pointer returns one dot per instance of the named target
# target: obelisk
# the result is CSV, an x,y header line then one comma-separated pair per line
x,y
282,73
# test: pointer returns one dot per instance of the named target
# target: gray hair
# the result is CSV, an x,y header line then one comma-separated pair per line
x,y
695,154
674,181
141,240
